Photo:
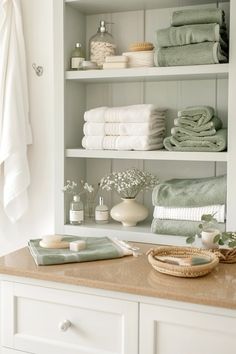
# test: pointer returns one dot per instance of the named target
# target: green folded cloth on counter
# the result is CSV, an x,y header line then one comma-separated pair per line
x,y
199,114
189,34
97,248
178,227
191,54
198,16
191,126
186,142
193,192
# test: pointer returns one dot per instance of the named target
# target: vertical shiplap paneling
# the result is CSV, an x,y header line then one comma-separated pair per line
x,y
128,28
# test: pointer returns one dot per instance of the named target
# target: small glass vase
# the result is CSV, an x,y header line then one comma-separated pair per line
x,y
89,209
129,212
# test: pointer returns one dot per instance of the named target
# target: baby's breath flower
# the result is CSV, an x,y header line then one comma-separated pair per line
x,y
129,183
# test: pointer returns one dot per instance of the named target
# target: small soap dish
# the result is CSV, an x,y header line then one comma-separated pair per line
x,y
179,261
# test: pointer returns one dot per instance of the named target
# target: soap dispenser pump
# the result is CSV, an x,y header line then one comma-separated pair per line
x,y
101,45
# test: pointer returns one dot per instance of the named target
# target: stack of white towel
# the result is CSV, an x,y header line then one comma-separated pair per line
x,y
136,127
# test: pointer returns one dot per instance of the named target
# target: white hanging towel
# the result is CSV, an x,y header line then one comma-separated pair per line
x,y
15,132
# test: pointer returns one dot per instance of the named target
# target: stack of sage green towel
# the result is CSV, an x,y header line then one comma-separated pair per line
x,y
197,129
196,36
186,196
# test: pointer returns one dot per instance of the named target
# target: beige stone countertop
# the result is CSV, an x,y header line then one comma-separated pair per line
x,y
131,275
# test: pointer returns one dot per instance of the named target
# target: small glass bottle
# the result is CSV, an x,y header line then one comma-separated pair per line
x,y
101,45
76,211
101,213
77,57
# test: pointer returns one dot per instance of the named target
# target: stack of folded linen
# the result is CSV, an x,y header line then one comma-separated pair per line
x,y
136,127
195,37
180,203
116,62
197,129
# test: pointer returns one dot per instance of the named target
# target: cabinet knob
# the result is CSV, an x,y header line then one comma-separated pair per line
x,y
64,325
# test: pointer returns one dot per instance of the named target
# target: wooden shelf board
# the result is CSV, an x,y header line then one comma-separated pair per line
x,y
147,155
151,74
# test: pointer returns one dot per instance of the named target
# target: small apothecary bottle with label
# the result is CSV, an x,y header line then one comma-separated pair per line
x,y
101,212
77,57
76,211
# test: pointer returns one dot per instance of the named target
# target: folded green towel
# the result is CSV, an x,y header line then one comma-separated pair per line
x,y
191,54
192,126
189,34
179,132
199,114
97,248
191,192
178,227
195,16
186,142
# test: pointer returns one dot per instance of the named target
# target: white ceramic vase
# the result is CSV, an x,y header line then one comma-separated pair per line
x,y
129,212
208,236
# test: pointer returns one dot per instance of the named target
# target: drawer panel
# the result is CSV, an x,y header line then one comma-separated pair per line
x,y
39,318
11,351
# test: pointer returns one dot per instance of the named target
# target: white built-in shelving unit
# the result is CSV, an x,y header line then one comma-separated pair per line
x,y
169,87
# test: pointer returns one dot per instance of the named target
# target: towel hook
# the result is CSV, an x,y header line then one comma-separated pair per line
x,y
38,69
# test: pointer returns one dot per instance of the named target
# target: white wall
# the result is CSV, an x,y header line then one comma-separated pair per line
x,y
39,220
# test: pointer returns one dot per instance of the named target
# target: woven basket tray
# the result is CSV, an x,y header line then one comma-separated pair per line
x,y
226,255
182,252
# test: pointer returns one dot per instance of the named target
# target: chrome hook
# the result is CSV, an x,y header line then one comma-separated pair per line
x,y
38,69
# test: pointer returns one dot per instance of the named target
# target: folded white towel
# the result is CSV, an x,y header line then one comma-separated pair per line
x,y
128,114
190,214
123,128
15,132
123,142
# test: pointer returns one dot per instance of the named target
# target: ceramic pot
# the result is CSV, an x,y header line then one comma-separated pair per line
x,y
208,236
129,212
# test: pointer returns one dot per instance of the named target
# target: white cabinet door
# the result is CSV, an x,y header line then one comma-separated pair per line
x,y
11,351
34,317
165,330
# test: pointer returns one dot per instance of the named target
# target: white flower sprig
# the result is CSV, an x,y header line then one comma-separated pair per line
x,y
129,183
70,187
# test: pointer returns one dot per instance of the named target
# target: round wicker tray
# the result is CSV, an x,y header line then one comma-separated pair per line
x,y
188,271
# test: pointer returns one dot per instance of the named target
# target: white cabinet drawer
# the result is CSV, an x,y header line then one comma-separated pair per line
x,y
165,330
32,315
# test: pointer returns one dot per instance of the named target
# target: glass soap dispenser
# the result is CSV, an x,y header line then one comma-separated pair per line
x,y
77,57
101,212
76,211
101,45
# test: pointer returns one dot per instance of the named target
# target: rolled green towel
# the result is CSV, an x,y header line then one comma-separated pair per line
x,y
193,126
197,16
191,54
178,227
199,114
184,142
189,34
193,192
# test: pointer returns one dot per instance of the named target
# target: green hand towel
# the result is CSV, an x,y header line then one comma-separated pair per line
x,y
179,132
178,227
97,248
193,126
199,114
192,54
214,143
197,16
190,34
192,192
